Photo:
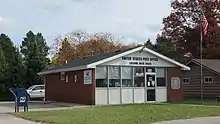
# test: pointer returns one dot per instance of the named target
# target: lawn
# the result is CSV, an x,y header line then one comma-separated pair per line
x,y
123,114
198,102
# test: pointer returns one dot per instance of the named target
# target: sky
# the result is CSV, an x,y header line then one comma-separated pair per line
x,y
133,20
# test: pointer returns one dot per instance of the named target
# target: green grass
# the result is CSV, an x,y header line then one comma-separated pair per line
x,y
198,102
124,114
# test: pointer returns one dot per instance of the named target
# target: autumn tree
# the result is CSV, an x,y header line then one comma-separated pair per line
x,y
78,44
182,26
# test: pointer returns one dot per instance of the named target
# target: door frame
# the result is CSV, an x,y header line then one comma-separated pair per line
x,y
155,85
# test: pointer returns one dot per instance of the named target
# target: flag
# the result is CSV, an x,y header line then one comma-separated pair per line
x,y
204,24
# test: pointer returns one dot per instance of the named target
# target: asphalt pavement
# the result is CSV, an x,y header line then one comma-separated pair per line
x,y
8,107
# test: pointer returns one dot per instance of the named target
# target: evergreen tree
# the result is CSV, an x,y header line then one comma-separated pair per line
x,y
18,70
35,52
2,69
8,52
149,45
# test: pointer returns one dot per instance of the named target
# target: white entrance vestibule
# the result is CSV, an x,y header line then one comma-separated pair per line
x,y
136,78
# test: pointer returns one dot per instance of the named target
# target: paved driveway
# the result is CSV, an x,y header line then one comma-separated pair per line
x,y
8,107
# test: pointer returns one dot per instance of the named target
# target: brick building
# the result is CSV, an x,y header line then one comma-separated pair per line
x,y
137,75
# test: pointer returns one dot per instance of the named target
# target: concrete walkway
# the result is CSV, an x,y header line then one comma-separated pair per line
x,y
6,118
9,119
200,120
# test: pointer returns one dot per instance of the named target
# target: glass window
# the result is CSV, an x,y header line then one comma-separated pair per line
x,y
150,69
208,79
114,76
126,75
62,76
101,83
101,72
161,81
37,88
160,72
185,80
67,79
139,80
161,77
101,76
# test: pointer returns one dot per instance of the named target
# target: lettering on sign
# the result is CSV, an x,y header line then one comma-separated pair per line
x,y
139,60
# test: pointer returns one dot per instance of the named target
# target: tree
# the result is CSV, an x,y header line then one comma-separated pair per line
x,y
182,26
65,53
77,45
18,70
35,52
8,51
2,69
149,45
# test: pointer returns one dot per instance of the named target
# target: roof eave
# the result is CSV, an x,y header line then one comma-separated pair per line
x,y
62,70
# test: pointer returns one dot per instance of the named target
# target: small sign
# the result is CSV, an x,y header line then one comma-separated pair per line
x,y
22,99
88,77
175,83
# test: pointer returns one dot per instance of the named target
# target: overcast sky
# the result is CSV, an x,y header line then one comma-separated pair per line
x,y
135,20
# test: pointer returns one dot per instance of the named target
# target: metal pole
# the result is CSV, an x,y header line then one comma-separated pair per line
x,y
201,51
201,75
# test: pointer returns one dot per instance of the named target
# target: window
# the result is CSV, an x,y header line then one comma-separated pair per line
x,y
67,79
101,76
114,76
208,80
150,69
62,76
37,88
75,77
126,75
139,80
186,80
42,87
161,77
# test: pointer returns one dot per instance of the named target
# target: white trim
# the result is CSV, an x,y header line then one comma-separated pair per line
x,y
115,57
93,65
184,67
166,58
185,78
63,70
208,81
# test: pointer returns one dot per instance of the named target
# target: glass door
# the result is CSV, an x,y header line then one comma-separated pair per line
x,y
150,84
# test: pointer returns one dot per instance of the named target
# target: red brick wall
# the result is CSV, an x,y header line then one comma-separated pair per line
x,y
174,94
71,91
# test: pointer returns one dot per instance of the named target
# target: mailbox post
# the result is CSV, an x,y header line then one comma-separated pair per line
x,y
21,98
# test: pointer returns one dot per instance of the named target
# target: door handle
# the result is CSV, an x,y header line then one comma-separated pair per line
x,y
40,91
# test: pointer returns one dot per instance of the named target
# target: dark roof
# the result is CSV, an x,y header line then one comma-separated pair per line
x,y
88,60
213,64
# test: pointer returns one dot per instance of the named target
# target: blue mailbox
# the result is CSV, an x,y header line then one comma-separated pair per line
x,y
21,98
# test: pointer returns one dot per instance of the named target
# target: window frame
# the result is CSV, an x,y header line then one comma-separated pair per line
x,y
112,80
62,76
209,77
139,77
97,79
185,79
162,76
